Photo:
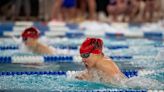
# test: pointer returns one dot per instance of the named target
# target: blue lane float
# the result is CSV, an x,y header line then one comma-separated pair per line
x,y
120,36
72,26
32,73
118,47
74,47
128,73
50,58
58,58
153,35
41,26
6,26
71,47
5,59
121,57
12,47
136,25
74,34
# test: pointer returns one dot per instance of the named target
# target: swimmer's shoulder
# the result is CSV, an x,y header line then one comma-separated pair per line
x,y
44,49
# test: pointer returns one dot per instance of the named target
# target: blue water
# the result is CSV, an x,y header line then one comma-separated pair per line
x,y
48,83
138,47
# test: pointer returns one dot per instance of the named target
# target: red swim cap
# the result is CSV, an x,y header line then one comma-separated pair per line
x,y
31,32
91,45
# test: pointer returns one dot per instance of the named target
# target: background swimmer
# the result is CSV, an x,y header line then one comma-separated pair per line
x,y
29,42
30,39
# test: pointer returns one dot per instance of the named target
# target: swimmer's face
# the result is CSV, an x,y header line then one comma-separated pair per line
x,y
29,41
89,61
85,56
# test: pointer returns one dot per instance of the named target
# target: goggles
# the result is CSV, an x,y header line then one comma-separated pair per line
x,y
24,39
85,55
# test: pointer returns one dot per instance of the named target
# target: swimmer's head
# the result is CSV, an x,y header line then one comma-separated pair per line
x,y
30,32
91,45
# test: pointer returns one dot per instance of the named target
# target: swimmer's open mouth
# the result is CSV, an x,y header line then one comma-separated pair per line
x,y
86,65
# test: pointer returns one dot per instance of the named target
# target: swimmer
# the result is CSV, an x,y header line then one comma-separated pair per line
x,y
98,67
29,42
102,69
30,38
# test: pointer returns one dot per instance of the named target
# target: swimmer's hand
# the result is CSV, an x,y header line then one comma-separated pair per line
x,y
79,77
83,76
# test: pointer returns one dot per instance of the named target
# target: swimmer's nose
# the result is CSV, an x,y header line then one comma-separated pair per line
x,y
84,60
25,43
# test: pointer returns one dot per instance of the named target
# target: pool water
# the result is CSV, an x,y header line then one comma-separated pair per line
x,y
48,83
57,83
146,51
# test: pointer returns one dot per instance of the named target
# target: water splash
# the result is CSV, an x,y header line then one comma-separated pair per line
x,y
143,83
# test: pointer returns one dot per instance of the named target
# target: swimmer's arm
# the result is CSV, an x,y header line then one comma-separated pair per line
x,y
111,69
114,74
44,49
